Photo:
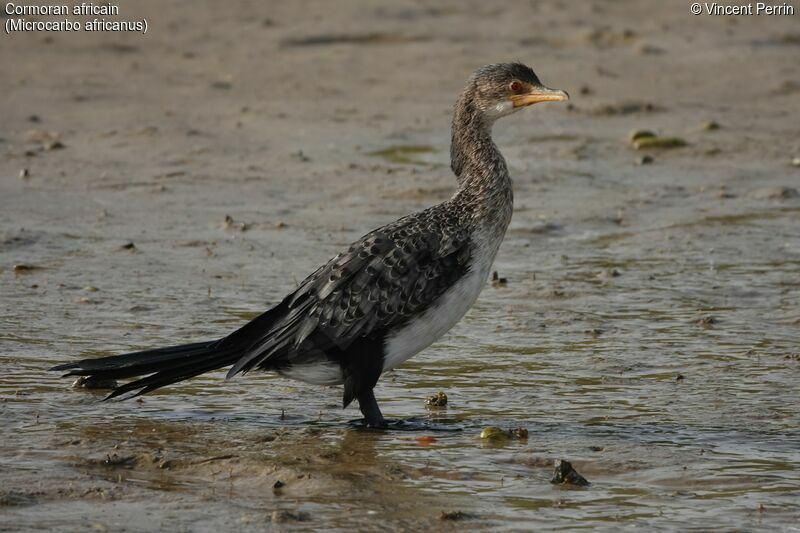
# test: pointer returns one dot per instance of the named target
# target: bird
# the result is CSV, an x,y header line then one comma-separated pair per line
x,y
389,295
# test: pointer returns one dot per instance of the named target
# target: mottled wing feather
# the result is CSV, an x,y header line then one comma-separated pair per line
x,y
378,283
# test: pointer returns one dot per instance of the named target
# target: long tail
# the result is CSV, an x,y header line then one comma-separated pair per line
x,y
161,367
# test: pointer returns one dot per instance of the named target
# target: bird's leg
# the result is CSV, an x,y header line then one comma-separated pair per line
x,y
369,408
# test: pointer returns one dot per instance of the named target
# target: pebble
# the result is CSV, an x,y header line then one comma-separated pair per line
x,y
609,273
519,433
497,281
645,143
706,321
649,49
565,474
93,382
495,433
280,515
635,135
22,268
229,223
437,400
453,515
54,145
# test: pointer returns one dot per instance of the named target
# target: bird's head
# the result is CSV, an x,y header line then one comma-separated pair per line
x,y
500,89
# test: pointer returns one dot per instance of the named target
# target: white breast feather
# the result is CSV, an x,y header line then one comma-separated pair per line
x,y
321,373
425,329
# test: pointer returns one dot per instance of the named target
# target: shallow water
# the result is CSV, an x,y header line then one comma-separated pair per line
x,y
597,345
649,330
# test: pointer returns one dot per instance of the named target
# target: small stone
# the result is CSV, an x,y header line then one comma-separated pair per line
x,y
796,162
22,268
93,382
229,223
660,143
519,433
278,485
565,474
649,49
437,400
635,135
280,515
454,515
495,433
53,145
706,321
710,125
609,273
645,160
497,281
128,246
24,173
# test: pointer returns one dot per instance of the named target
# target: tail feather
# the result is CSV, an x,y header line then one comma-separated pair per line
x,y
176,373
136,363
164,366
161,366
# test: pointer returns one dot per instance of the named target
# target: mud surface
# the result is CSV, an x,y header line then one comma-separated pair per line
x,y
162,189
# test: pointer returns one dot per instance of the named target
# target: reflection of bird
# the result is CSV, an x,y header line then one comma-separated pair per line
x,y
390,294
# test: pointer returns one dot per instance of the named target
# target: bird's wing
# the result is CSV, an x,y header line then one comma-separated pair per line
x,y
378,283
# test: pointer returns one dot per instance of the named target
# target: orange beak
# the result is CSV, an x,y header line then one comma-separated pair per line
x,y
538,94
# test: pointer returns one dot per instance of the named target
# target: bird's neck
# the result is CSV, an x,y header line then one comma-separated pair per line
x,y
479,166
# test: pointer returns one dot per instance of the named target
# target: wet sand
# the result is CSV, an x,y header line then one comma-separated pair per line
x,y
648,332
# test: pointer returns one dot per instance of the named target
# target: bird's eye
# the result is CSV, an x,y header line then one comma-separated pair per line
x,y
515,86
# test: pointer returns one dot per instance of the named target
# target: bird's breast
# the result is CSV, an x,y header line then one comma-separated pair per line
x,y
427,327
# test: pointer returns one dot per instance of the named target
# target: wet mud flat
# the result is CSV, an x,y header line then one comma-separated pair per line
x,y
644,325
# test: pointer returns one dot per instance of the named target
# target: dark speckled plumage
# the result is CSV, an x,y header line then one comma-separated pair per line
x,y
379,283
413,277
